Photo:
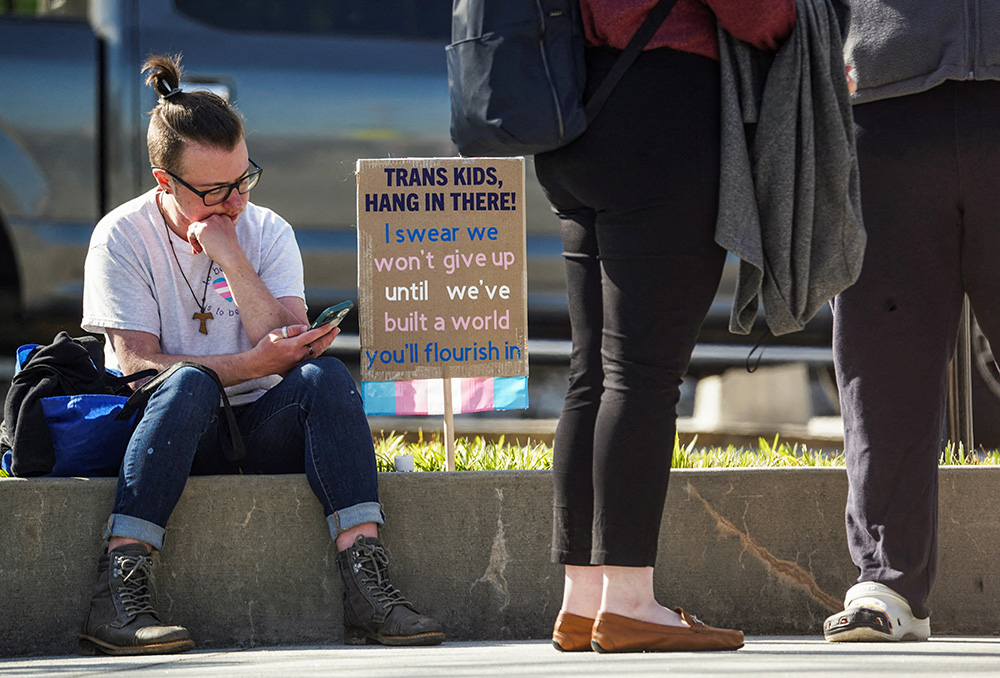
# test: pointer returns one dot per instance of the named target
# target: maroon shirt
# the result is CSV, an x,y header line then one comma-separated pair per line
x,y
691,25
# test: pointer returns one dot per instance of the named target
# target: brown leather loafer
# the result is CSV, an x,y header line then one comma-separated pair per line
x,y
615,633
572,633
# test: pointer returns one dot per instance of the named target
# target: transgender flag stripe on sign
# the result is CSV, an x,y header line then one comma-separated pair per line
x,y
426,396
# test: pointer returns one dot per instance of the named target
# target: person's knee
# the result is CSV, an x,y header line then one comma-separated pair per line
x,y
193,388
193,382
327,374
624,375
323,381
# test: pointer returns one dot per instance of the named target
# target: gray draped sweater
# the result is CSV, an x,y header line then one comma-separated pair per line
x,y
789,203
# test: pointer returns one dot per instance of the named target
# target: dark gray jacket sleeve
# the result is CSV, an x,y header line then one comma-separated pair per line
x,y
901,47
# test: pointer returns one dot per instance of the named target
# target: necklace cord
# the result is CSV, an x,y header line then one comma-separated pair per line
x,y
208,273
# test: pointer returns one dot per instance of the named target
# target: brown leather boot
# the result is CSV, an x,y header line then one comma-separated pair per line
x,y
374,609
122,620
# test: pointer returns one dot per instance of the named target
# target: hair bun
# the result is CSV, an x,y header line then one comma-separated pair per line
x,y
163,74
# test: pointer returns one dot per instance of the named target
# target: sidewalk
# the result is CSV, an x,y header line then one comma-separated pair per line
x,y
762,656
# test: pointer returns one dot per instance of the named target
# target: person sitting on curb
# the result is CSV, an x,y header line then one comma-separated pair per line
x,y
192,271
926,81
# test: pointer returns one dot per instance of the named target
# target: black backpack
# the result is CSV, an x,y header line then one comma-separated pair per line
x,y
516,74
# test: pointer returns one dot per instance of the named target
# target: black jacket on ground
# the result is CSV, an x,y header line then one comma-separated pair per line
x,y
65,367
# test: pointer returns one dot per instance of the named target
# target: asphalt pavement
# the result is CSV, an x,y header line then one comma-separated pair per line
x,y
761,656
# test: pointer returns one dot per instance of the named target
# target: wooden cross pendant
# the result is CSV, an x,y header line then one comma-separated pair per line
x,y
203,317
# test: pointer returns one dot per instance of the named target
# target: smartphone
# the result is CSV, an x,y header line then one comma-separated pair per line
x,y
333,315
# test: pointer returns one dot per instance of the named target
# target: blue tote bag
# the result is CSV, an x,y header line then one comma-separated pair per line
x,y
88,438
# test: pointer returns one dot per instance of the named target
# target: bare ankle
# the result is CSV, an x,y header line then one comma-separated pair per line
x,y
583,588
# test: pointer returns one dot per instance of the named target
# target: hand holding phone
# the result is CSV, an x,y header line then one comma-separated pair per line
x,y
333,315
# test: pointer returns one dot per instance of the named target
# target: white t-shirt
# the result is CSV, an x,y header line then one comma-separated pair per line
x,y
132,282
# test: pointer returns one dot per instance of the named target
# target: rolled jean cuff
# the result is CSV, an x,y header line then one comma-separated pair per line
x,y
352,516
135,528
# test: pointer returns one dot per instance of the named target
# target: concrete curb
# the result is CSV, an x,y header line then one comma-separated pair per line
x,y
248,560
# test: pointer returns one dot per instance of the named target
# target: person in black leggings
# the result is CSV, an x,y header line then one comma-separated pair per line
x,y
637,197
637,217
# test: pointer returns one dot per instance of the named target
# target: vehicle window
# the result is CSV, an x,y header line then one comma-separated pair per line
x,y
413,19
57,9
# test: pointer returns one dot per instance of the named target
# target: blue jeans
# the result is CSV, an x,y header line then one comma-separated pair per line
x,y
312,422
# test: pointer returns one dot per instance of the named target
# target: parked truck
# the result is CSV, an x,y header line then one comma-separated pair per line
x,y
321,83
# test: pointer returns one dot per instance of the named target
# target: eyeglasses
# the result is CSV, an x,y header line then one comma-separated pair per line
x,y
219,195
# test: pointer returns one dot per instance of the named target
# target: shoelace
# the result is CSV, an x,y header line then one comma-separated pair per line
x,y
134,588
372,563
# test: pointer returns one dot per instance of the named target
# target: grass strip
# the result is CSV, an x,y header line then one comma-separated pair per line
x,y
477,454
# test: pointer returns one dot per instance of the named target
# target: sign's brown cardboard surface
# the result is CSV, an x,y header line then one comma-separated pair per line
x,y
442,278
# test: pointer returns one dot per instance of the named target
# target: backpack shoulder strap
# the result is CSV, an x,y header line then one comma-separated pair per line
x,y
233,447
653,21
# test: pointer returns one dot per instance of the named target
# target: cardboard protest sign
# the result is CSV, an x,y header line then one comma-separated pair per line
x,y
442,273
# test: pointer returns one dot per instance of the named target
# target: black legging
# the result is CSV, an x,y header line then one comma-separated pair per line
x,y
930,192
637,197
